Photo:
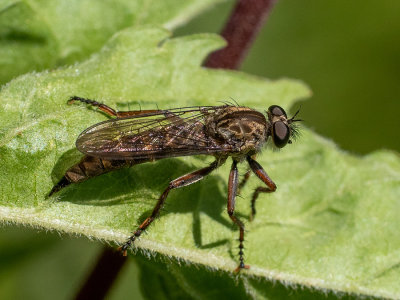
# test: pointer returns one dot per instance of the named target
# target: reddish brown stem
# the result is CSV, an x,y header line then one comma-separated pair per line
x,y
103,275
240,31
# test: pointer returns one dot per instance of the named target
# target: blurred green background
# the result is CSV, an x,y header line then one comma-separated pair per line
x,y
348,52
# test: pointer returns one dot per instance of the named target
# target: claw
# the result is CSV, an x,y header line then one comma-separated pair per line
x,y
241,266
123,250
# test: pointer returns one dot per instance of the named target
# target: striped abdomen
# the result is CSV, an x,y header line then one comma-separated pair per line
x,y
89,167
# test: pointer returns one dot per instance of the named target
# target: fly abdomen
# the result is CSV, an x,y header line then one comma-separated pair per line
x,y
89,167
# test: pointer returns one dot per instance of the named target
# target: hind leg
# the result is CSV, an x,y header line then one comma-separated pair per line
x,y
182,181
112,112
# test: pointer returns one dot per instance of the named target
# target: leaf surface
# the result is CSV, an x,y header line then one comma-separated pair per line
x,y
45,34
332,224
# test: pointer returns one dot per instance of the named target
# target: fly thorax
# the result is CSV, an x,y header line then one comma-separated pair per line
x,y
241,127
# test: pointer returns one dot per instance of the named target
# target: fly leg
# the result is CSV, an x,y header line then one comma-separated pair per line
x,y
232,189
104,108
244,180
182,181
260,172
112,112
123,114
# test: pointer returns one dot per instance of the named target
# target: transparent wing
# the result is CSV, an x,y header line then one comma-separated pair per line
x,y
159,134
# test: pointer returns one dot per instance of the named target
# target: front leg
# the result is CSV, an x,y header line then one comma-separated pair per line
x,y
174,184
260,172
232,190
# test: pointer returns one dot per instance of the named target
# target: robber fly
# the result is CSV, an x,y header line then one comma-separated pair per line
x,y
136,137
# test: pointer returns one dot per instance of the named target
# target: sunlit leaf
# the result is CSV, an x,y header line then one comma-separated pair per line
x,y
45,34
332,224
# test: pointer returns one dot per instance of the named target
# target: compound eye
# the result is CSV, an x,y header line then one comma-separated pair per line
x,y
276,110
280,134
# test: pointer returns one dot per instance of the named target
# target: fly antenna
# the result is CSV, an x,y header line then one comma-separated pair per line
x,y
292,119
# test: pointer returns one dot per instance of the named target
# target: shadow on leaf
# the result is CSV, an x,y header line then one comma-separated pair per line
x,y
144,184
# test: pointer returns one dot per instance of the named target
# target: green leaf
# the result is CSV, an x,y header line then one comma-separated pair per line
x,y
43,34
332,224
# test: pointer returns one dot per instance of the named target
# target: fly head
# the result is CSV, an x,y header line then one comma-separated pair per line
x,y
282,129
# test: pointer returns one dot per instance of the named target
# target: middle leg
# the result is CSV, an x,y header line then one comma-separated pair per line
x,y
245,178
